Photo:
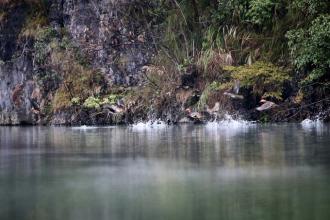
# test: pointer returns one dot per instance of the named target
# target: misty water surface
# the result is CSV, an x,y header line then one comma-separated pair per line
x,y
229,171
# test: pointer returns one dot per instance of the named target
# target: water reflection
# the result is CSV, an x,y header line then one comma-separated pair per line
x,y
240,171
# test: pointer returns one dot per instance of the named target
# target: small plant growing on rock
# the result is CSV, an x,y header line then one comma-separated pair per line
x,y
75,101
92,103
113,98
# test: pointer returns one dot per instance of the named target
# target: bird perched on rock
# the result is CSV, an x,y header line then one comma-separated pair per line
x,y
266,105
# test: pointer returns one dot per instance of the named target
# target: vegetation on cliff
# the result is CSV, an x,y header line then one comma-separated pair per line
x,y
275,49
227,52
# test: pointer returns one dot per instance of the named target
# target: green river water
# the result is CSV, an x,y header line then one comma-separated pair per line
x,y
229,171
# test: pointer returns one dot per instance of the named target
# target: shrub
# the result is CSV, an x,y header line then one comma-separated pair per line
x,y
75,101
310,48
113,98
110,99
261,11
311,7
222,47
92,103
265,79
230,11
95,103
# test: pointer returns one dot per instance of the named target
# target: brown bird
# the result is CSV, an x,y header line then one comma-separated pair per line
x,y
266,105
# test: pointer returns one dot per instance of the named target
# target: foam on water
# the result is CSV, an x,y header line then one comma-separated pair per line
x,y
229,127
143,126
230,123
84,127
227,123
316,125
309,123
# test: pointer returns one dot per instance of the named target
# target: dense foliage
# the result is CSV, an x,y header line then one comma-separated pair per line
x,y
265,79
311,48
294,34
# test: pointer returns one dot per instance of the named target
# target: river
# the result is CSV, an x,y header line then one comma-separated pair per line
x,y
229,171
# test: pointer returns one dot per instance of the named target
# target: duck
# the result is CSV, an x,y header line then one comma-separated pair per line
x,y
233,96
233,93
266,105
194,116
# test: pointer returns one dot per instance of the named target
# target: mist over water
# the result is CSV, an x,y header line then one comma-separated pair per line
x,y
230,170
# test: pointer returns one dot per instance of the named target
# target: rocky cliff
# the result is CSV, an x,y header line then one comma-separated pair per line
x,y
105,30
37,39
87,62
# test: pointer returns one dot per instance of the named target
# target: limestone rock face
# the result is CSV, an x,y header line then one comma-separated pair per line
x,y
116,43
16,71
16,90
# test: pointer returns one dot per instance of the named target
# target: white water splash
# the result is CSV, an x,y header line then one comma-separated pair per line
x,y
229,127
310,124
84,127
229,122
317,125
145,126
